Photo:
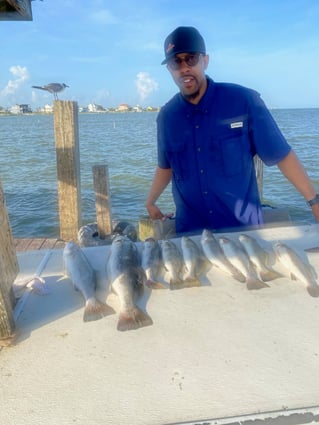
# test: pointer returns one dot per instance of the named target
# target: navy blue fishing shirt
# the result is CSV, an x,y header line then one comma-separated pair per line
x,y
210,148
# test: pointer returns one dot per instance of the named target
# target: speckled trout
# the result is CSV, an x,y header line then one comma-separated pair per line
x,y
216,256
152,263
192,261
239,259
127,281
82,275
259,257
173,263
297,268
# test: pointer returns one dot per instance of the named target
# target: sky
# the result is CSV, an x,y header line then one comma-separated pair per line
x,y
109,52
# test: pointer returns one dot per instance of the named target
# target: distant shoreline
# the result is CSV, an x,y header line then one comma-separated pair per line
x,y
11,114
114,111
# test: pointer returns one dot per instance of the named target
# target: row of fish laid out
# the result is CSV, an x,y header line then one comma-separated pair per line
x,y
129,270
245,259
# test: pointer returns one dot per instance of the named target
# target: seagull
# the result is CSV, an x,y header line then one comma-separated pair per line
x,y
53,88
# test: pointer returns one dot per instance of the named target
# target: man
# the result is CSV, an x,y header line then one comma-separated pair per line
x,y
208,134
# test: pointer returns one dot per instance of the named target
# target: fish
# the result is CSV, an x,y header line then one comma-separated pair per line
x,y
239,259
125,228
83,277
259,257
192,261
152,262
127,282
173,263
297,268
216,256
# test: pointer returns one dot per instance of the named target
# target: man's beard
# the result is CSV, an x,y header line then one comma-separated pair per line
x,y
191,96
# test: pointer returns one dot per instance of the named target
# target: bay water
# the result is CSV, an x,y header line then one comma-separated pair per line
x,y
126,142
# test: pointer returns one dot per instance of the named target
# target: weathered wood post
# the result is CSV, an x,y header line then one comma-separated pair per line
x,y
259,168
102,200
9,269
68,168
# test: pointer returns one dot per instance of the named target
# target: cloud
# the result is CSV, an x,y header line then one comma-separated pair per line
x,y
145,85
21,75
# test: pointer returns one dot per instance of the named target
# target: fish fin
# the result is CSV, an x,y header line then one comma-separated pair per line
x,y
95,310
176,284
39,286
253,284
269,275
239,276
63,277
133,319
313,290
153,284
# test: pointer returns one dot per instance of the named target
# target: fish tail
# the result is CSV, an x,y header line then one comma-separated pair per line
x,y
253,284
95,310
191,281
268,275
153,284
176,284
313,290
133,319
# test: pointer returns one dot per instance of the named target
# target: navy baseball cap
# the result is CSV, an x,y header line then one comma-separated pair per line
x,y
183,40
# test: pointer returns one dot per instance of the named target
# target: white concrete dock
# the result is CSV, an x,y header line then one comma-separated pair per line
x,y
213,355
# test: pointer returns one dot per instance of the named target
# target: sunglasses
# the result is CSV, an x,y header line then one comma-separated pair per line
x,y
190,60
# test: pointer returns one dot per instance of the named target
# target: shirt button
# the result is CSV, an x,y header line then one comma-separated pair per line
x,y
197,126
201,171
210,212
198,149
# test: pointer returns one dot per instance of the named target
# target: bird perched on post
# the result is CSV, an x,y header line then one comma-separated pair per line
x,y
53,88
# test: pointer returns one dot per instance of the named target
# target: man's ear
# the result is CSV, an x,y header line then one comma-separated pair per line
x,y
206,61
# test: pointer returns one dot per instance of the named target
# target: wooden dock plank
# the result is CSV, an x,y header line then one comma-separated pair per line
x,y
32,244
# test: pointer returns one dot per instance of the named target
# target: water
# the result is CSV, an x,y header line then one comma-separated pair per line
x,y
127,144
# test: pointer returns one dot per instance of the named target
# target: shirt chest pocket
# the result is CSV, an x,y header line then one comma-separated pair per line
x,y
177,155
229,151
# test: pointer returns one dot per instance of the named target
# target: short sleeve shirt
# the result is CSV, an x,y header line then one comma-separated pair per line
x,y
210,148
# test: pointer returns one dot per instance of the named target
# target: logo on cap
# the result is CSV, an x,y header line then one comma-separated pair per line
x,y
170,47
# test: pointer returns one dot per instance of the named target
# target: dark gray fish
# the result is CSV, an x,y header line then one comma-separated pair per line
x,y
81,273
127,280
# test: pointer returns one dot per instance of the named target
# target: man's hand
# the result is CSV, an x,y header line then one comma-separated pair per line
x,y
156,214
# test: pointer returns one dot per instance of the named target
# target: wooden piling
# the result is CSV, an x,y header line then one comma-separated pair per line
x,y
259,168
9,269
102,200
68,168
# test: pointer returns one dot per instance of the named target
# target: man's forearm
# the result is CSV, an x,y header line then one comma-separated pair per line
x,y
161,180
294,171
